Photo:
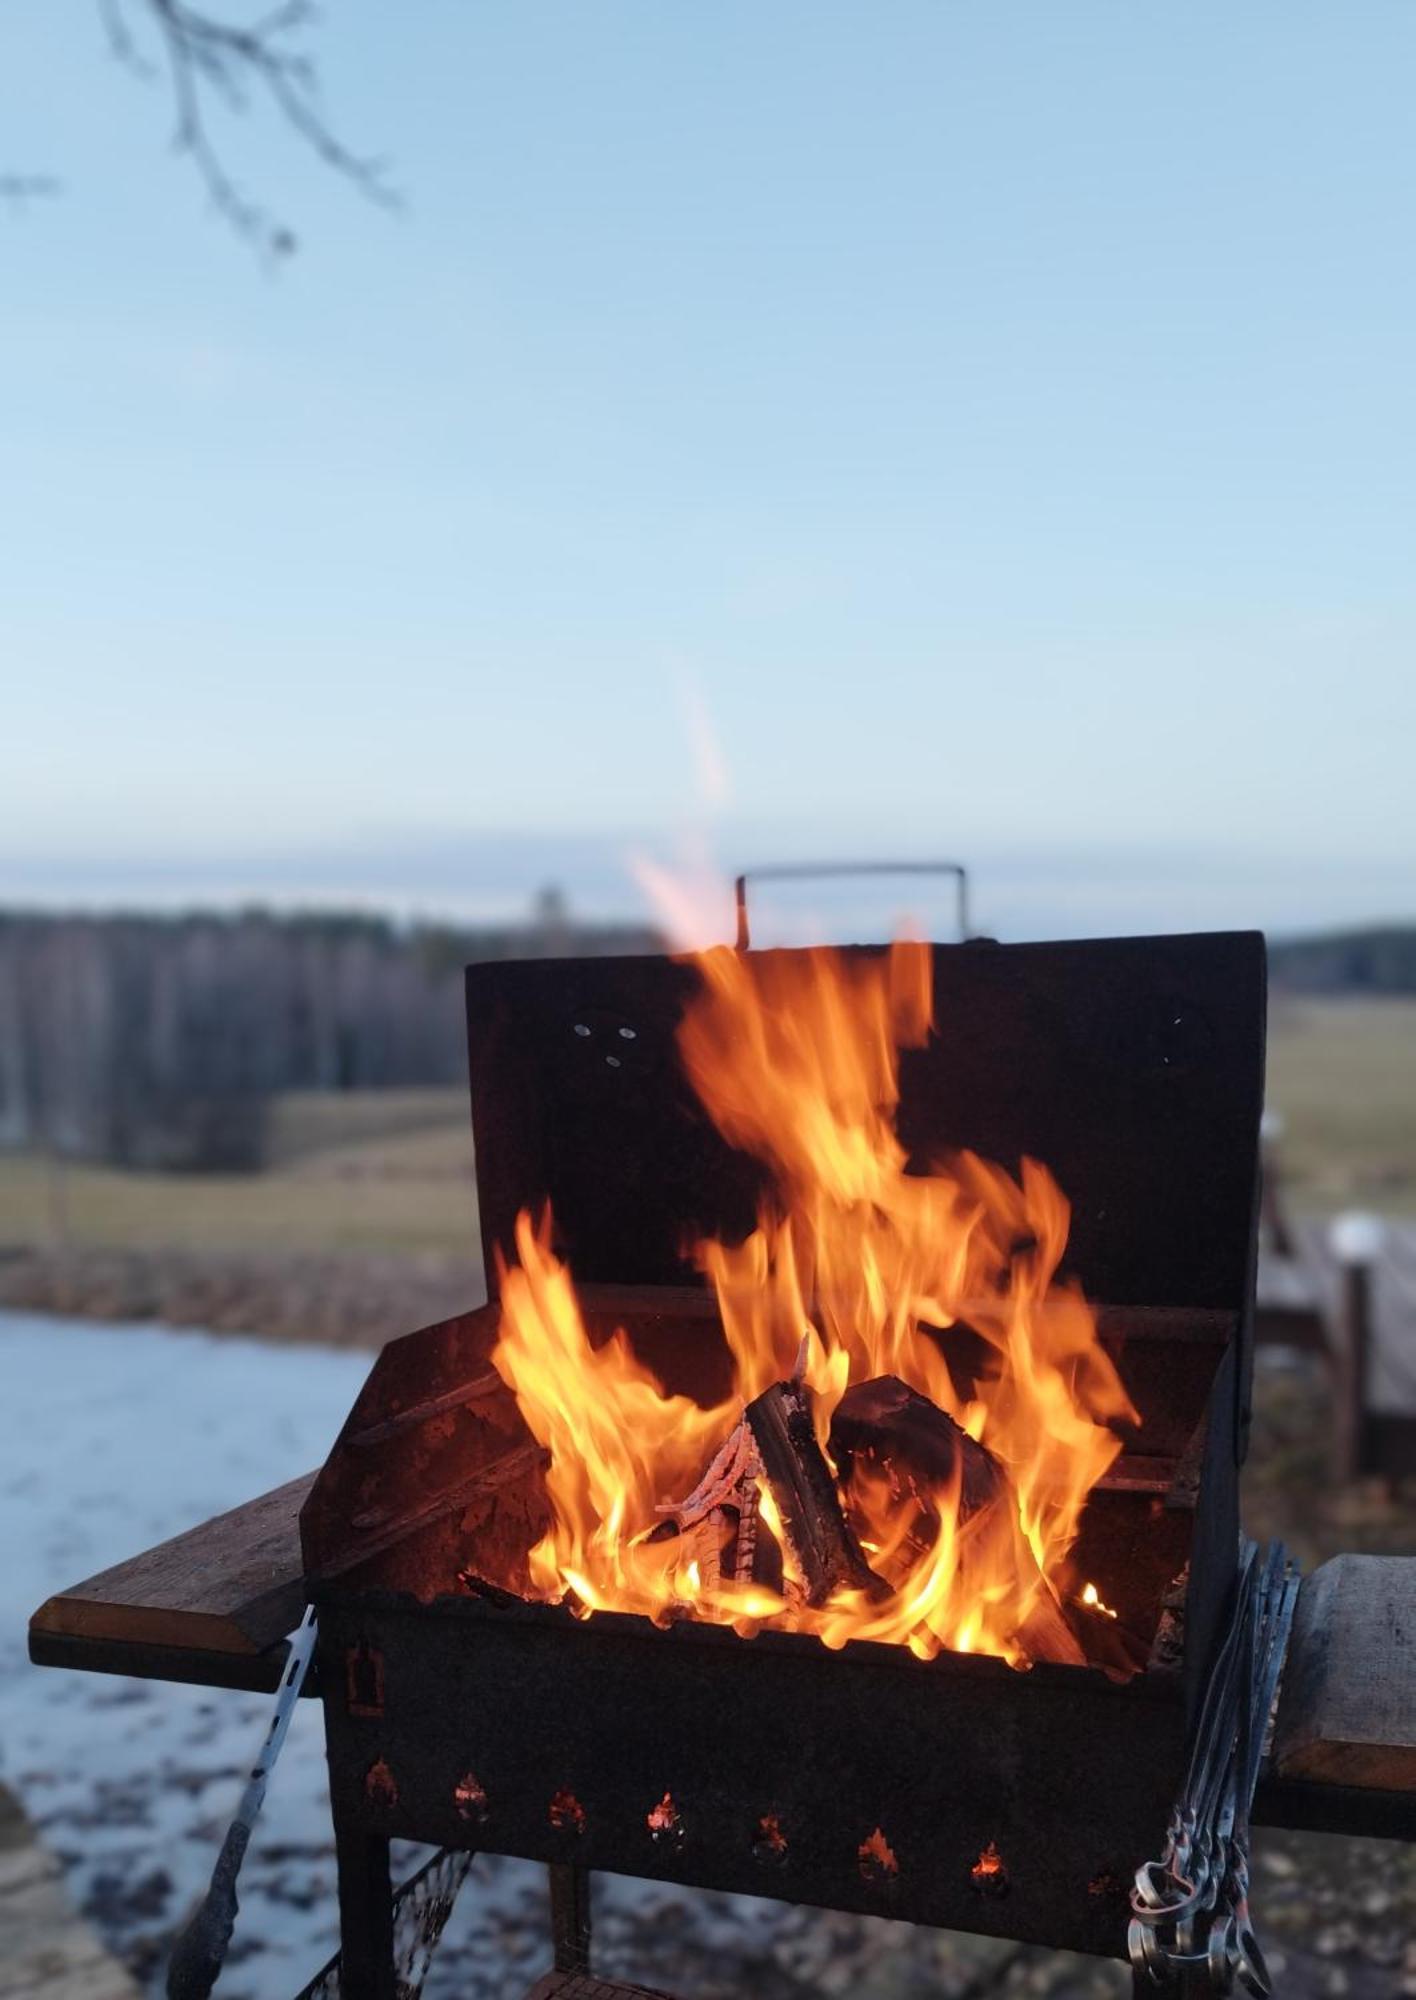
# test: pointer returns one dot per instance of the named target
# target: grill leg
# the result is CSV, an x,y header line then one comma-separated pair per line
x,y
365,1916
570,1916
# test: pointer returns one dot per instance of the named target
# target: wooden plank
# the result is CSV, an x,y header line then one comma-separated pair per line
x,y
1347,1714
1288,1312
232,1586
1391,1389
247,1673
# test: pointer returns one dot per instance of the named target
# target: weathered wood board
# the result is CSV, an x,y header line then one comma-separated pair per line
x,y
1347,1715
232,1586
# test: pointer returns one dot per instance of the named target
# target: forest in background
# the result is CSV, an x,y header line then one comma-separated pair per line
x,y
1375,959
160,1042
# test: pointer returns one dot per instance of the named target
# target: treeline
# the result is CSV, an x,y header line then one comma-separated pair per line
x,y
158,1042
1376,959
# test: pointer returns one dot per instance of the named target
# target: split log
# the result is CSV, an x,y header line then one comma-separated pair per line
x,y
931,1458
926,1449
717,1523
1045,1634
818,1535
1107,1642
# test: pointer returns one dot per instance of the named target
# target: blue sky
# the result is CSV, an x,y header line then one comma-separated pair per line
x,y
998,421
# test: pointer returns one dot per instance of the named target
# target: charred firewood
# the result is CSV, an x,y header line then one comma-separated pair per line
x,y
925,1449
480,1586
1045,1634
818,1535
717,1523
933,1462
1107,1641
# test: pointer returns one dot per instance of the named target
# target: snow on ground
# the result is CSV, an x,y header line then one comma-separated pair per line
x,y
113,1438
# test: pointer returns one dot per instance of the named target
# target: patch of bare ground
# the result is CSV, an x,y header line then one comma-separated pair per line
x,y
46,1952
342,1299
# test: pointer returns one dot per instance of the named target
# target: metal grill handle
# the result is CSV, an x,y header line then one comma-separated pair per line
x,y
812,870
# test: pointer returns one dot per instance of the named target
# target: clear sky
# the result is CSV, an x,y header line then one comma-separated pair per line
x,y
994,425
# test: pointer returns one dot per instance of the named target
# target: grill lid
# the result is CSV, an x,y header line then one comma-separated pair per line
x,y
1132,1067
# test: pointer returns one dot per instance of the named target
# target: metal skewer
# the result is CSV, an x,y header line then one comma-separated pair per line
x,y
200,1951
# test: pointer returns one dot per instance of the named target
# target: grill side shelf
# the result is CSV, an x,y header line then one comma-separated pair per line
x,y
228,1590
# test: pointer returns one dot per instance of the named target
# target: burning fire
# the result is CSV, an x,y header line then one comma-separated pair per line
x,y
856,1270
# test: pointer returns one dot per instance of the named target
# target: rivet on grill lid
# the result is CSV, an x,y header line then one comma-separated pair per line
x,y
876,1858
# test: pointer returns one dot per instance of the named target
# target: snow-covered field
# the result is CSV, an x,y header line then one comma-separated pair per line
x,y
113,1438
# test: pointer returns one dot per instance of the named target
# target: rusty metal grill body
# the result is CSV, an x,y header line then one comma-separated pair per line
x,y
1133,1068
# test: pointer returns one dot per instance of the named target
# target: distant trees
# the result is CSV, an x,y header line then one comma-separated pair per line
x,y
157,1042
1379,958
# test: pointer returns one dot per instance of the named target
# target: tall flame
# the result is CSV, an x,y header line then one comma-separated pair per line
x,y
854,1260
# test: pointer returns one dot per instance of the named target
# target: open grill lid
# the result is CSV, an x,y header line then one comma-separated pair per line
x,y
1131,1067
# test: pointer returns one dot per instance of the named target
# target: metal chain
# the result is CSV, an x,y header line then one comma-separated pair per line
x,y
421,1908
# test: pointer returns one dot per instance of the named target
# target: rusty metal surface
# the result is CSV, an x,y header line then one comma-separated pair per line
x,y
522,1731
434,1439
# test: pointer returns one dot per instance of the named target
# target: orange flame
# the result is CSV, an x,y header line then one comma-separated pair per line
x,y
796,1059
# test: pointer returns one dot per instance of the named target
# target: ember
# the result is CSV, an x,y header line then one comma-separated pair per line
x,y
664,1822
566,1813
877,1858
848,1485
988,1874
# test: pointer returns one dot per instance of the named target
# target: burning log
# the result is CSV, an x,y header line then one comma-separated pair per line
x,y
717,1523
931,1459
887,1420
1107,1642
1045,1634
818,1536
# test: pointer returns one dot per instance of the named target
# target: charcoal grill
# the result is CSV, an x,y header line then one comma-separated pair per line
x,y
955,1791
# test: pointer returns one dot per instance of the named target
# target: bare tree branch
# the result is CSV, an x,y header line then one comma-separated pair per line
x,y
214,61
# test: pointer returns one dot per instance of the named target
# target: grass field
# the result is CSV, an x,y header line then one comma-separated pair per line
x,y
391,1171
1342,1075
375,1170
